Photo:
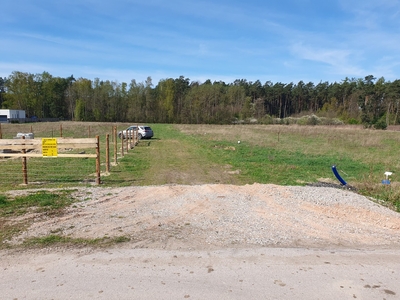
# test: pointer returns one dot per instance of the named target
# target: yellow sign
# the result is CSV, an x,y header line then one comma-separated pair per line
x,y
49,147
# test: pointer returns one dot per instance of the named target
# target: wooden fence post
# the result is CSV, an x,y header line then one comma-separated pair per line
x,y
115,144
1,133
89,132
24,166
131,132
97,160
61,133
108,153
127,141
122,144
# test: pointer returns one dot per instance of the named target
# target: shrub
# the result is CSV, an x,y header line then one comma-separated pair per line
x,y
267,119
353,121
313,120
381,123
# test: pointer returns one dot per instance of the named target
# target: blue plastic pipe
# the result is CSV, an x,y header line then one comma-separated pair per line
x,y
338,176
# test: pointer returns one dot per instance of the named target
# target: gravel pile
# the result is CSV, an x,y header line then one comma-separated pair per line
x,y
215,216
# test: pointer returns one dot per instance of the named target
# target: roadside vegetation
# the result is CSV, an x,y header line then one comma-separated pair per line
x,y
17,213
225,154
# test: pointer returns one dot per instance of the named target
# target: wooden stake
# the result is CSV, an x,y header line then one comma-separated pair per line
x,y
97,160
122,144
127,141
107,153
115,144
131,133
24,167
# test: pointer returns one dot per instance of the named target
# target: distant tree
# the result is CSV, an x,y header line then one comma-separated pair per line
x,y
236,97
182,85
2,89
374,102
165,98
21,92
79,110
371,100
151,104
393,101
82,91
136,102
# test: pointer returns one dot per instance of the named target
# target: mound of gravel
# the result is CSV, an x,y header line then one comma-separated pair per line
x,y
220,216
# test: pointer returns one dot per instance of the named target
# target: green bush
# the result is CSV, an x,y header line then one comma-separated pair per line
x,y
381,123
353,121
313,120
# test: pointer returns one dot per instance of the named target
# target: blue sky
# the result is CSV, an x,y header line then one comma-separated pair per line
x,y
279,41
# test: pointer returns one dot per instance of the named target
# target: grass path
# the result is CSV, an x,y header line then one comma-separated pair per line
x,y
173,158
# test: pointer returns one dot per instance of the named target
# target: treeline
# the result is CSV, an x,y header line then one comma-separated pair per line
x,y
370,101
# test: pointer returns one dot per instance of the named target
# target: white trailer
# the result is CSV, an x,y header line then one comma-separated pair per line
x,y
12,115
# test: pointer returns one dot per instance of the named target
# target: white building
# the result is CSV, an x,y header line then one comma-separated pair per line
x,y
12,115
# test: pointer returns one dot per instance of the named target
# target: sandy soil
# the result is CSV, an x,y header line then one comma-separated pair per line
x,y
220,216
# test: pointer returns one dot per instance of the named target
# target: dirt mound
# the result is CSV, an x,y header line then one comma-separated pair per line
x,y
215,216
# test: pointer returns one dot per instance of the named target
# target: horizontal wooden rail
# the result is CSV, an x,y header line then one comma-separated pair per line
x,y
77,155
22,145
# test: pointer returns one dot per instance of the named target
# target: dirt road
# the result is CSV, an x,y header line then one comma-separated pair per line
x,y
252,273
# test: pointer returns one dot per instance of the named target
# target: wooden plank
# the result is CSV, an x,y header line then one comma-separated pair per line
x,y
77,141
86,155
39,147
20,155
5,142
36,144
76,146
20,147
39,141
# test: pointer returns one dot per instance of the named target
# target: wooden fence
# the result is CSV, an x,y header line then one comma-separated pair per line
x,y
25,147
49,147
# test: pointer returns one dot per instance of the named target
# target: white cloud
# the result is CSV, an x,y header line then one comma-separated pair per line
x,y
340,61
328,56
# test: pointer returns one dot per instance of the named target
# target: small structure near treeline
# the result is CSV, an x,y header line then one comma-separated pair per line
x,y
12,116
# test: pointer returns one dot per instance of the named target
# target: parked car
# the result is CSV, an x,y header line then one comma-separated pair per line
x,y
144,132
